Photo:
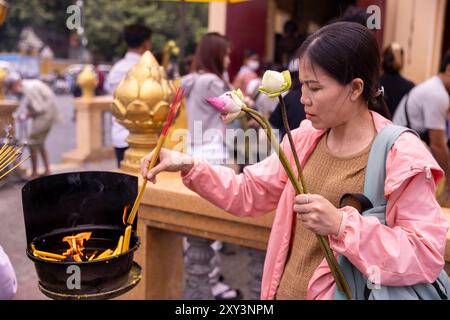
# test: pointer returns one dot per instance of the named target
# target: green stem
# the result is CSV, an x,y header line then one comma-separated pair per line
x,y
291,143
329,256
273,140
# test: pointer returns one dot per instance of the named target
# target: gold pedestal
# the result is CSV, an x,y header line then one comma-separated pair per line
x,y
140,144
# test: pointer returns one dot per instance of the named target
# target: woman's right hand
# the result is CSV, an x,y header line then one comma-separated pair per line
x,y
169,160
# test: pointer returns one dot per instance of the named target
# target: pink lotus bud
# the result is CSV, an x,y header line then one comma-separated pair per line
x,y
218,104
228,102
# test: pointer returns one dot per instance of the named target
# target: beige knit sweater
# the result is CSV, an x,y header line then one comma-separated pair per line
x,y
330,176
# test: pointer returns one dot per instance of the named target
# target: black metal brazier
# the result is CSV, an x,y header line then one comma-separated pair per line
x,y
66,204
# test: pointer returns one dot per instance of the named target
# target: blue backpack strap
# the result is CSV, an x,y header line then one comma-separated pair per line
x,y
375,176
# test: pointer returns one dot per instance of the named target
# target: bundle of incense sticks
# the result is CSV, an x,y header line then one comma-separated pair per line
x,y
170,118
10,152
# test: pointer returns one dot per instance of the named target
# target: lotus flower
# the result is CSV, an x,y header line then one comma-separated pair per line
x,y
275,83
229,104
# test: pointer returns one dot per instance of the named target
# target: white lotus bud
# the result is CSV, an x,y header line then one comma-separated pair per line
x,y
272,80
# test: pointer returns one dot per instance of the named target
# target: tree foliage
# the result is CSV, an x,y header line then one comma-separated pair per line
x,y
104,22
45,15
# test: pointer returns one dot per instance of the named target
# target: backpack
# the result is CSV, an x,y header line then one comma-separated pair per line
x,y
373,203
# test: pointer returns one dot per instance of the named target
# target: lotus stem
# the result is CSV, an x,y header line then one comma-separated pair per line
x,y
291,143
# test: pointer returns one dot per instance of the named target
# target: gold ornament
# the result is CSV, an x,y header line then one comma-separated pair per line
x,y
87,80
141,103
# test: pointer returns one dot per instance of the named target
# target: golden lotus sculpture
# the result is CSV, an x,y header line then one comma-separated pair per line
x,y
141,103
87,80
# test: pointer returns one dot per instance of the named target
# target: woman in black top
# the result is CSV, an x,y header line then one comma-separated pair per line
x,y
395,86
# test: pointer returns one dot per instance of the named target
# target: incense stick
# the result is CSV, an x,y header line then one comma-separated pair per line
x,y
7,172
170,117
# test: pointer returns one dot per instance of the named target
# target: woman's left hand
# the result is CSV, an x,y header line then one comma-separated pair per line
x,y
318,214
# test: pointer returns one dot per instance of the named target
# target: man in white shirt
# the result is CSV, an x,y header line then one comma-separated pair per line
x,y
426,111
138,39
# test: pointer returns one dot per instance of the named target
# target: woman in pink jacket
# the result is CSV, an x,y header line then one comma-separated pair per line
x,y
339,72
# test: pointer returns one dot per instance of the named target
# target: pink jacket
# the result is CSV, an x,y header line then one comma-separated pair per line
x,y
409,250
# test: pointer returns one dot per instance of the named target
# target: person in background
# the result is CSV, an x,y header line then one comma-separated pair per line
x,y
395,86
138,39
39,101
207,79
99,90
425,109
289,42
8,281
248,71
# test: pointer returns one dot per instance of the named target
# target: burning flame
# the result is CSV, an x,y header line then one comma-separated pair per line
x,y
76,245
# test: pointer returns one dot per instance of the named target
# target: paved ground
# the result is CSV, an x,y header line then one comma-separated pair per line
x,y
12,231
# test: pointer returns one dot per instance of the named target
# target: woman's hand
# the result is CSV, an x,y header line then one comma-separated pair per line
x,y
169,160
318,214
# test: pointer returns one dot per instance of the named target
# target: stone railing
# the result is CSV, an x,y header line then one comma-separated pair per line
x,y
168,211
90,130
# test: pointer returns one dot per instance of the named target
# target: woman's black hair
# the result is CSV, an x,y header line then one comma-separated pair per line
x,y
348,50
389,62
136,34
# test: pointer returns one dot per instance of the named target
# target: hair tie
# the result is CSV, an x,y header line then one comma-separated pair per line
x,y
380,92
